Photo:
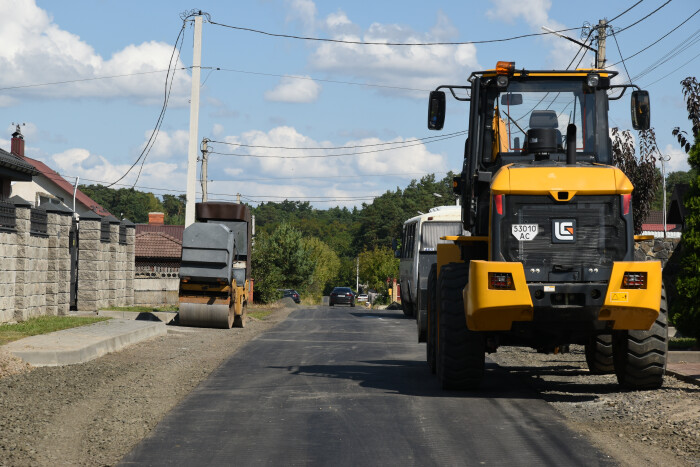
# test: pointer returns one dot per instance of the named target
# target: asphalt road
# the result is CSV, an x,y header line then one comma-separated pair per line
x,y
342,386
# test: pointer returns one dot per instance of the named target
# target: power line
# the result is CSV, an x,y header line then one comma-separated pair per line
x,y
656,41
684,45
352,83
154,134
675,70
326,177
426,139
642,19
341,41
640,1
79,80
321,156
623,59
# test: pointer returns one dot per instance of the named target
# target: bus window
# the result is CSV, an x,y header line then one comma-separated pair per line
x,y
432,231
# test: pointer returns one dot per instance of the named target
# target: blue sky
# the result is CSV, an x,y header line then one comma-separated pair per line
x,y
282,92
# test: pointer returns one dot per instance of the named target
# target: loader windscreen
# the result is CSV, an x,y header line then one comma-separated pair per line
x,y
544,104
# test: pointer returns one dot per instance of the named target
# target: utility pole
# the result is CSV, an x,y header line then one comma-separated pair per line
x,y
602,33
357,277
194,121
205,159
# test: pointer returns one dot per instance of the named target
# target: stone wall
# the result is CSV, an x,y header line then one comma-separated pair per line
x,y
35,266
656,249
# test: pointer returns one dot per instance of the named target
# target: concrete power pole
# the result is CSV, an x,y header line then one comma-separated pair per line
x,y
205,159
194,122
602,33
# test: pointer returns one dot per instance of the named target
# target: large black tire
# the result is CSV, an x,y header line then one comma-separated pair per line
x,y
640,356
421,316
407,308
431,332
461,352
599,355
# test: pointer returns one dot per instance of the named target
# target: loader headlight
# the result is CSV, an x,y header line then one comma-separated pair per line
x,y
592,80
502,81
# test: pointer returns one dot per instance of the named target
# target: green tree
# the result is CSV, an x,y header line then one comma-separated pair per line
x,y
124,202
326,266
280,260
685,308
174,209
378,265
672,179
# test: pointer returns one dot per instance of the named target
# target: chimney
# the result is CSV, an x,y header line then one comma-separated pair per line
x,y
17,145
156,218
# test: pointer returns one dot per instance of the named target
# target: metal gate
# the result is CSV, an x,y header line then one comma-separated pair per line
x,y
73,248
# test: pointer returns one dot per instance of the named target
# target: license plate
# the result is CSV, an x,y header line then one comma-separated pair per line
x,y
524,232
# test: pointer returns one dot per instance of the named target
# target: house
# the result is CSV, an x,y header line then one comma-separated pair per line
x,y
654,225
13,169
47,185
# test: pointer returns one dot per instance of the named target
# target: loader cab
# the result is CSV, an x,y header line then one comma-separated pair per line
x,y
530,117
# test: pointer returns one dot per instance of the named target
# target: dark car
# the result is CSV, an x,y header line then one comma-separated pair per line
x,y
342,295
291,293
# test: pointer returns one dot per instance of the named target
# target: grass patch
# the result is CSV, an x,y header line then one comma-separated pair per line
x,y
42,325
142,309
682,343
260,311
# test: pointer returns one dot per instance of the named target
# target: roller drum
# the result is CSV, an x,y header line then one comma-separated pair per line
x,y
209,316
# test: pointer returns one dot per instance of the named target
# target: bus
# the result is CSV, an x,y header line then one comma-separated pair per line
x,y
421,235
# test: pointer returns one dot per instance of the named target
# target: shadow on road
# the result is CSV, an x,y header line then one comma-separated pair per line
x,y
379,314
412,377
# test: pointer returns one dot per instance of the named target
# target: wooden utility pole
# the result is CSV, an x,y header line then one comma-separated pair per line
x,y
602,33
194,122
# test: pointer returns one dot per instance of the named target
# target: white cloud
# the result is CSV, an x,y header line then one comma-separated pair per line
x,y
93,168
300,89
303,11
35,50
168,144
334,177
536,14
415,67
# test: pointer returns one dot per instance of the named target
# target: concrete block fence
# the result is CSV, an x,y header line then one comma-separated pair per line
x,y
35,262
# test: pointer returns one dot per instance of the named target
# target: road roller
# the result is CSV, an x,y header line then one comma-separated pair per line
x,y
215,266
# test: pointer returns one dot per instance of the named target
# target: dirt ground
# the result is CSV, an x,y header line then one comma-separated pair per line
x,y
94,413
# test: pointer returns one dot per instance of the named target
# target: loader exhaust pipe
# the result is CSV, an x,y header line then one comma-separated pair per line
x,y
571,144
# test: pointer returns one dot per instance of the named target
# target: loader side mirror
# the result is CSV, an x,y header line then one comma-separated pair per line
x,y
641,114
436,110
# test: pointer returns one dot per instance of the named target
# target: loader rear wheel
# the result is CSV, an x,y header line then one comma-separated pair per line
x,y
461,352
431,331
599,355
640,356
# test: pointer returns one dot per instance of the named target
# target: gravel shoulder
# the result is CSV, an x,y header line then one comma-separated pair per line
x,y
660,427
94,413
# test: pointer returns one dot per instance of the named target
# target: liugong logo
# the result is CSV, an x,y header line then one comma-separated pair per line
x,y
563,230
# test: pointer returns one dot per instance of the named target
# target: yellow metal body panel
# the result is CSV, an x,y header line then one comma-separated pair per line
x,y
447,253
495,310
600,180
641,238
633,308
500,136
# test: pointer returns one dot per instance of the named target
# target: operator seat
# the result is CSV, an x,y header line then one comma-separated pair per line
x,y
546,119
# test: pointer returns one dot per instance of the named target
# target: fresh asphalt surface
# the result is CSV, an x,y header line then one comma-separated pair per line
x,y
345,386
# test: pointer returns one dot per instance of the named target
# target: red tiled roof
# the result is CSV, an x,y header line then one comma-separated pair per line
x,y
62,183
174,231
157,245
658,227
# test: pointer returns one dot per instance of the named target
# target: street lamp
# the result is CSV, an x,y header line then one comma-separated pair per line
x,y
663,176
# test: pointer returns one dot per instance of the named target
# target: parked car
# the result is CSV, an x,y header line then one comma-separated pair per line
x,y
363,297
342,295
291,293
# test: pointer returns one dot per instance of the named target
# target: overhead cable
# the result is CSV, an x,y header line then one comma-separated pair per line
x,y
342,41
644,18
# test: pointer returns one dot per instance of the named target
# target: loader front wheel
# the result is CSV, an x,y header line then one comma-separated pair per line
x,y
599,355
461,352
640,356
